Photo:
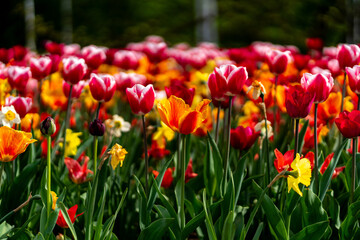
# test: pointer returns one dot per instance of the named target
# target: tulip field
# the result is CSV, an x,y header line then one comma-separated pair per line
x,y
160,141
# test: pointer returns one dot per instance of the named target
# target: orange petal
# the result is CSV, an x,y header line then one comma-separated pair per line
x,y
202,107
190,122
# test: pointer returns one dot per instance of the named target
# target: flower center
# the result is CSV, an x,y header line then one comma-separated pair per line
x,y
10,116
117,124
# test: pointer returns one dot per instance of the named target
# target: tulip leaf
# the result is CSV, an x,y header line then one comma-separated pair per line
x,y
312,210
239,176
156,229
313,231
326,178
350,225
228,231
208,219
51,222
302,135
143,215
218,164
67,219
209,171
258,231
39,236
83,147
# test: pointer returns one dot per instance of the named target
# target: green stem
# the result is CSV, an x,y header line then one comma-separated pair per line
x,y
275,106
146,158
178,166
316,171
48,175
296,137
64,233
98,110
67,117
353,170
343,92
95,153
1,171
267,159
217,124
182,195
226,163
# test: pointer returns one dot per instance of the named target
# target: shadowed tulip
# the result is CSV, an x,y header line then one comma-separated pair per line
x,y
40,67
242,138
298,102
348,123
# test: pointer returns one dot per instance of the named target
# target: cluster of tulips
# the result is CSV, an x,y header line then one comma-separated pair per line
x,y
159,142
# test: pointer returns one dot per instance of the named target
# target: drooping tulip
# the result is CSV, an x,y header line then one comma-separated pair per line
x,y
40,67
74,69
349,123
22,105
102,86
242,138
319,84
348,55
277,60
94,56
298,102
354,78
18,77
141,99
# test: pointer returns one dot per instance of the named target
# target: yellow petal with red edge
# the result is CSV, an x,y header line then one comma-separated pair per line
x,y
190,122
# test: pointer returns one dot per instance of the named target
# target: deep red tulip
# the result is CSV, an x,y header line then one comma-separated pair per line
x,y
180,91
40,67
301,61
74,69
298,102
167,179
102,86
283,161
277,60
314,43
128,80
76,90
72,214
348,55
242,138
227,80
77,173
19,52
18,77
189,174
54,48
141,98
349,123
127,59
22,105
320,84
94,56
354,78
4,55
156,151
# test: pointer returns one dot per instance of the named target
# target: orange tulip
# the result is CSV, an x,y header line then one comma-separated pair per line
x,y
178,116
12,143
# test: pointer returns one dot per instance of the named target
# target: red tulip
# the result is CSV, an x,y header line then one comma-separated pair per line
x,y
167,179
55,60
301,61
157,151
283,161
319,84
156,52
22,105
74,69
141,98
349,123
102,86
189,174
277,60
19,52
354,78
348,55
77,173
243,138
94,56
54,48
227,80
76,90
326,163
18,77
40,67
298,102
314,43
72,214
128,80
4,55
180,91
127,59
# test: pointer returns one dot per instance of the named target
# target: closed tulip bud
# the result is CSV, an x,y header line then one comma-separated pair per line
x,y
97,128
181,91
242,138
40,67
94,56
127,59
48,127
348,55
18,77
141,98
298,102
277,60
76,90
22,105
319,84
74,69
349,123
354,78
102,86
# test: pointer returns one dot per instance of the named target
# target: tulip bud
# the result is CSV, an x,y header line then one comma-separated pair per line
x,y
277,60
319,84
141,98
127,59
128,80
354,78
102,86
97,128
48,127
155,51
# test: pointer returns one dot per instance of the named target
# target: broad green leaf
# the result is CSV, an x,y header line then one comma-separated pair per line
x,y
312,210
156,229
208,219
143,214
218,164
313,231
227,232
350,225
209,171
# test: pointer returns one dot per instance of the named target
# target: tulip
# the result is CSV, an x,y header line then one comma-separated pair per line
x,y
55,60
348,55
54,48
74,69
283,162
48,126
72,214
94,56
242,138
102,86
127,59
301,61
71,50
298,102
22,105
315,43
40,67
180,91
354,78
349,123
167,179
18,77
76,90
141,99
77,173
128,80
155,51
277,60
189,174
97,128
320,84
19,52
334,67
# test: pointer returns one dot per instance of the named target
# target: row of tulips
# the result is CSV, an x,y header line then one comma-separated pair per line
x,y
152,141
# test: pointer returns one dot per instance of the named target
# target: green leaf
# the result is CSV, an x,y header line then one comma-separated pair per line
x,y
156,229
312,210
67,219
51,222
227,232
143,214
239,176
258,231
208,221
83,147
209,171
39,236
302,134
326,178
350,225
313,231
218,164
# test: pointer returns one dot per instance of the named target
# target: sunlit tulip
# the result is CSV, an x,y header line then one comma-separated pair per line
x,y
22,105
298,102
283,162
354,78
72,214
141,99
102,86
348,123
94,56
242,138
348,55
318,84
18,77
40,67
74,69
277,60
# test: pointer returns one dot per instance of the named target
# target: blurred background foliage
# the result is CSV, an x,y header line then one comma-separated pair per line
x,y
114,23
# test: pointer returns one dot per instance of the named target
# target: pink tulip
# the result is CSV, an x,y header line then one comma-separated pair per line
x,y
320,84
102,86
18,77
128,80
127,59
354,78
277,60
76,90
94,56
74,69
55,61
141,98
22,105
72,49
40,67
155,51
334,67
348,55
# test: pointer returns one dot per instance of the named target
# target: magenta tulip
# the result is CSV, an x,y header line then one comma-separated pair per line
x,y
94,56
277,60
354,78
18,77
298,102
22,105
319,84
141,98
74,69
76,90
348,55
102,86
40,67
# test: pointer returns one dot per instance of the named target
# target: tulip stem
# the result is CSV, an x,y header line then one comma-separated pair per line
x,y
182,181
275,106
343,92
353,169
217,124
95,153
67,117
227,156
146,157
1,171
316,172
48,175
297,120
178,166
267,159
98,111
